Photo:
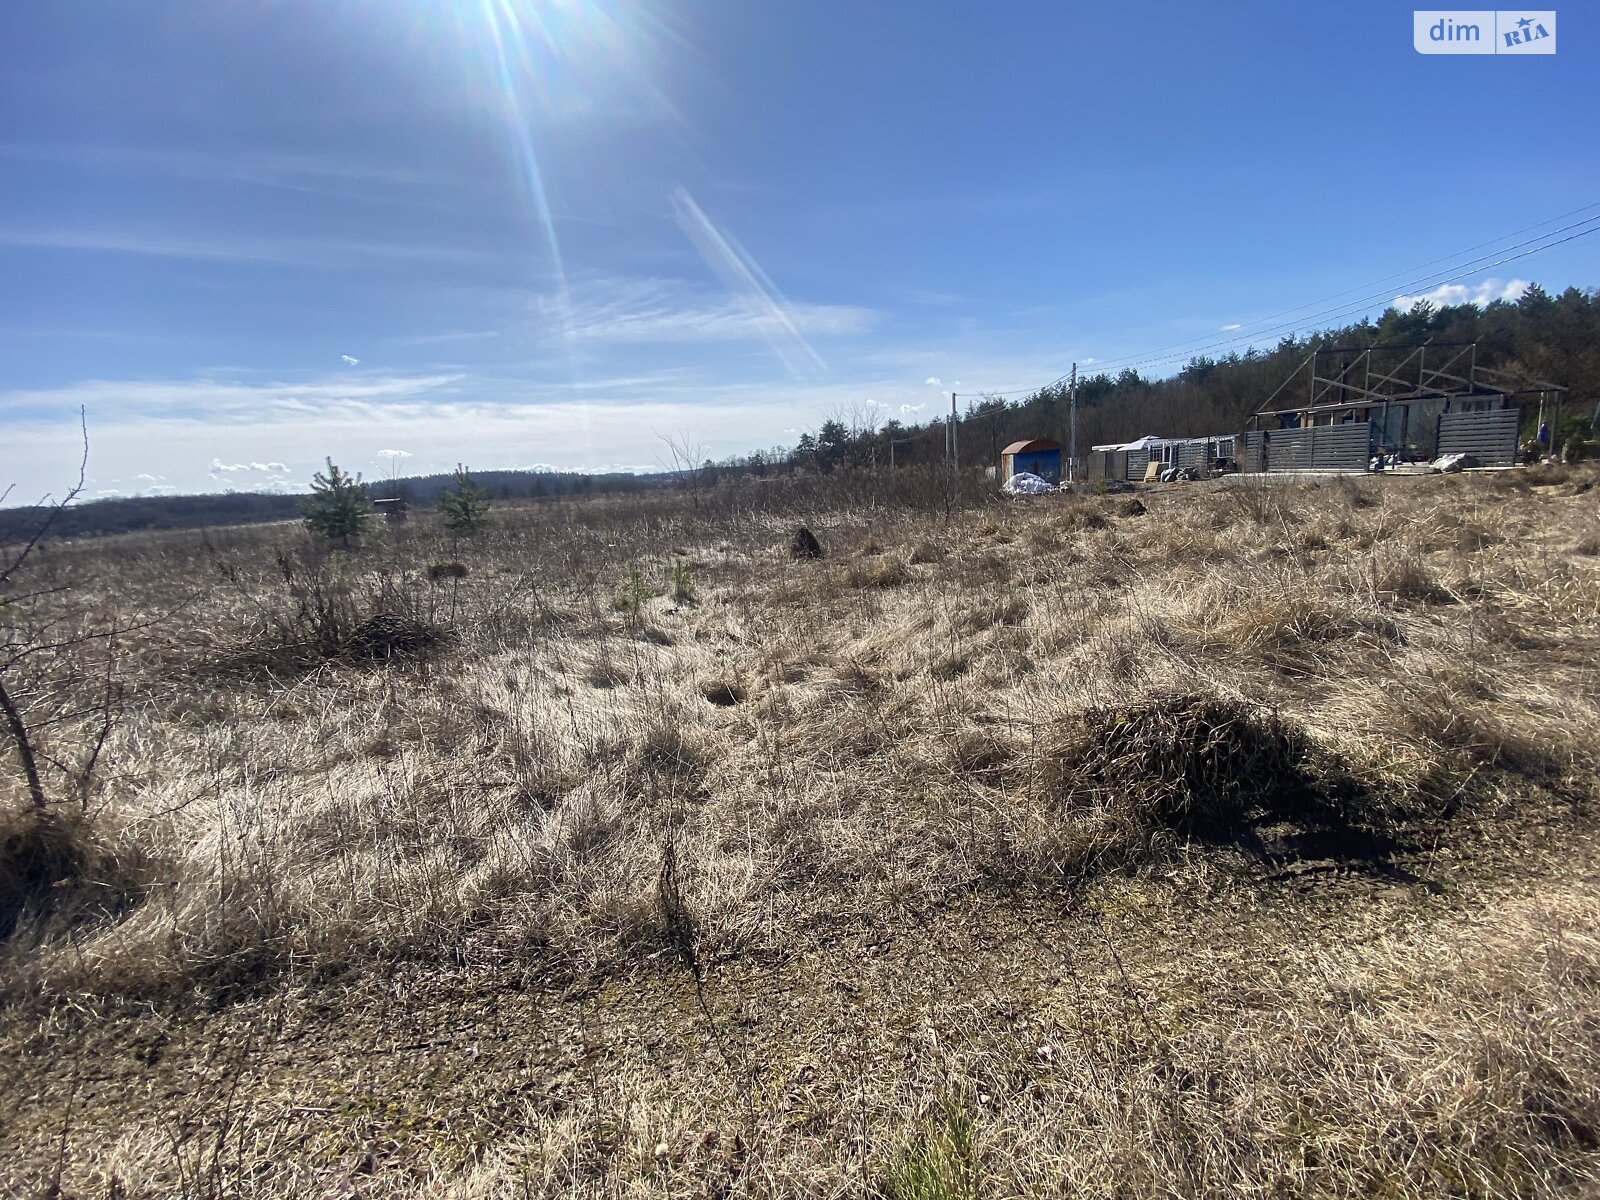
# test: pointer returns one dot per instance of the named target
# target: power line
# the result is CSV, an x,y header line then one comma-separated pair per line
x,y
1409,271
1357,307
1182,349
1433,280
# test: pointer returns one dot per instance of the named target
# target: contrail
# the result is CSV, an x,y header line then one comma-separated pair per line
x,y
745,279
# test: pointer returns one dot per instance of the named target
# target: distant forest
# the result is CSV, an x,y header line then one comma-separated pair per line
x,y
128,514
1552,338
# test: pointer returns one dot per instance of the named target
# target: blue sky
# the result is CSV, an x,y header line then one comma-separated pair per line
x,y
247,235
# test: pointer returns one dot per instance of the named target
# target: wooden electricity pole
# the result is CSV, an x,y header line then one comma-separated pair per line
x,y
956,444
1072,442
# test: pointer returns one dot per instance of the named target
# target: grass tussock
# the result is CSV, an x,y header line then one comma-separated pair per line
x,y
58,871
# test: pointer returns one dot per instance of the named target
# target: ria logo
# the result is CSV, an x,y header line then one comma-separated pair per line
x,y
1484,31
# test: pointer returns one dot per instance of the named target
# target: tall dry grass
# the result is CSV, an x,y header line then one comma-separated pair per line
x,y
1029,702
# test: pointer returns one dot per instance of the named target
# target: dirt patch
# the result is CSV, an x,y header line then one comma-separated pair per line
x,y
722,693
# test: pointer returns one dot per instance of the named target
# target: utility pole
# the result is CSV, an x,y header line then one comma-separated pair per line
x,y
1072,442
955,444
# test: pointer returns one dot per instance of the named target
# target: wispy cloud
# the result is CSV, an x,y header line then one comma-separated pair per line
x,y
1231,328
313,253
212,399
454,335
260,166
350,360
654,311
1485,292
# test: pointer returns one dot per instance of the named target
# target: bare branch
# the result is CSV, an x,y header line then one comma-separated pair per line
x,y
55,510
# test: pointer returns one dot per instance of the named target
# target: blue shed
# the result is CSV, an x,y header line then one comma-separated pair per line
x,y
1040,456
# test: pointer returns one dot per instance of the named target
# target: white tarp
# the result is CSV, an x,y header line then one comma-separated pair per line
x,y
1145,442
1025,484
1449,464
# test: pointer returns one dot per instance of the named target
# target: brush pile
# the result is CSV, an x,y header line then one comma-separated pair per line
x,y
1193,763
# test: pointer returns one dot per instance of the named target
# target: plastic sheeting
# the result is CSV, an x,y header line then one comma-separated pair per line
x,y
1024,484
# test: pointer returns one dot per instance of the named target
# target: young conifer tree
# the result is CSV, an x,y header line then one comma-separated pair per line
x,y
465,505
339,506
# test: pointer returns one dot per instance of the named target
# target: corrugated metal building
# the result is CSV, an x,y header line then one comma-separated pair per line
x,y
1037,456
1131,460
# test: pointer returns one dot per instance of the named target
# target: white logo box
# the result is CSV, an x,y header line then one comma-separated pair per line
x,y
1484,31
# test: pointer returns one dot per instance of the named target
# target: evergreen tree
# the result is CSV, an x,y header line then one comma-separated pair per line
x,y
466,506
339,506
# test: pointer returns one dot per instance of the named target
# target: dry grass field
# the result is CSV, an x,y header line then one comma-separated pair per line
x,y
1227,840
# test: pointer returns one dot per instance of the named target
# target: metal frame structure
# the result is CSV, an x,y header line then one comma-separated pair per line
x,y
1388,377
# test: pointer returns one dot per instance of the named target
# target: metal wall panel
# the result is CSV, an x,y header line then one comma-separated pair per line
x,y
1319,448
1490,437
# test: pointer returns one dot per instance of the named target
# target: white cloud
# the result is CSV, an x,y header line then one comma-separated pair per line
x,y
108,493
907,410
1089,362
1231,328
220,468
394,456
1485,292
350,361
933,381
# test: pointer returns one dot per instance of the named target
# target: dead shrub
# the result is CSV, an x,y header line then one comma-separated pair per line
x,y
1258,499
55,866
324,608
670,746
1192,763
385,635
1085,517
803,544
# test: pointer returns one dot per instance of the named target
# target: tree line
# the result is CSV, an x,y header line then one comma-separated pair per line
x,y
1549,337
